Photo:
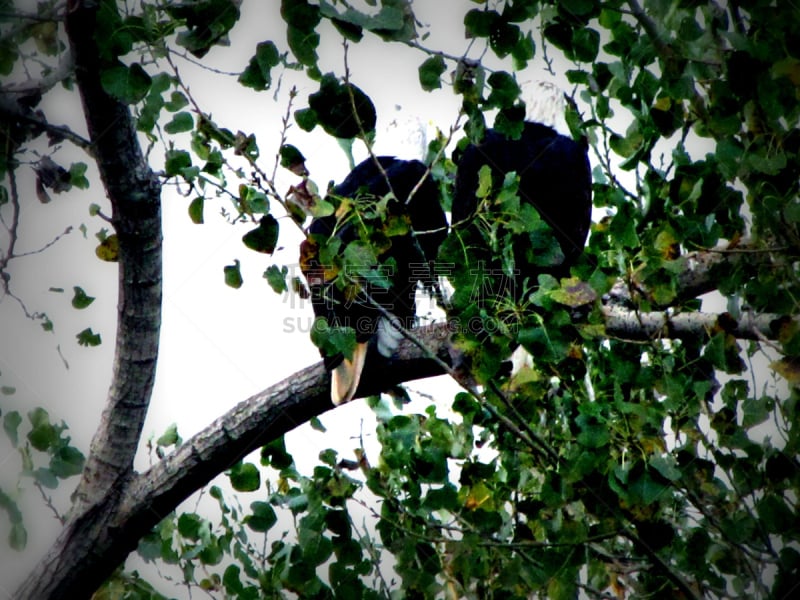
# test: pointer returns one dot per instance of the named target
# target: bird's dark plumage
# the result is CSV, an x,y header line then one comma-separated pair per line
x,y
405,238
554,177
504,238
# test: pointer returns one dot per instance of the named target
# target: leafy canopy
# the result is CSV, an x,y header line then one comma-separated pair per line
x,y
607,467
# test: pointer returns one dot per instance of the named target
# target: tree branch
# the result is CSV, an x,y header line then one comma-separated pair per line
x,y
134,192
12,112
36,87
699,273
96,542
638,326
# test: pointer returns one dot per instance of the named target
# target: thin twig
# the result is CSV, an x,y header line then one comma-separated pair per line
x,y
185,56
48,501
286,124
11,111
537,446
271,189
52,242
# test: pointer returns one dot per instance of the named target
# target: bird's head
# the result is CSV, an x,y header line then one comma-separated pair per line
x,y
546,103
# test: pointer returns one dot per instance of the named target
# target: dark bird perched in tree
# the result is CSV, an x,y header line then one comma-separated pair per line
x,y
378,242
554,178
521,209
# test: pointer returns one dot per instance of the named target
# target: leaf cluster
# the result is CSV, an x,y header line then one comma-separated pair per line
x,y
606,466
46,458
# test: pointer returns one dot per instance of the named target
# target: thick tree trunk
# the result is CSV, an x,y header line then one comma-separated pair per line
x,y
74,566
135,196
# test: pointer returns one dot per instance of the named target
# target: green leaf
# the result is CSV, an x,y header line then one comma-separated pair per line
x,y
775,515
523,51
623,230
177,100
359,258
393,22
351,32
182,121
306,118
207,23
430,73
153,103
479,23
723,352
255,201
592,435
264,237
258,74
333,340
646,490
276,277
176,162
484,182
11,422
196,210
577,8
585,44
170,437
87,338
232,581
300,14
689,30
127,84
67,461
233,275
80,300
190,525
43,434
333,105
303,45
291,156
573,293
504,38
628,145
18,537
274,454
756,410
667,466
11,508
505,90
149,547
262,518
77,175
245,477
444,498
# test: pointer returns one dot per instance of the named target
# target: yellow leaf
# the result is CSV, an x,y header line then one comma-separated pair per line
x,y
788,368
479,495
108,250
664,103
